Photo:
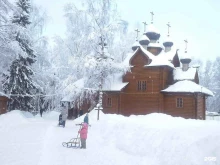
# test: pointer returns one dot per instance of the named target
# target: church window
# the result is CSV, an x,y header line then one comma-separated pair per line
x,y
141,85
179,102
109,102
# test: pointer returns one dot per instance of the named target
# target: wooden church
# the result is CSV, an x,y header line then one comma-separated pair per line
x,y
158,81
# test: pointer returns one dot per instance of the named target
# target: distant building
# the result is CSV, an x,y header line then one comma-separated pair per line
x,y
3,102
75,99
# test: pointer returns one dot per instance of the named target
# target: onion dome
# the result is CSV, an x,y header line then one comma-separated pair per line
x,y
135,45
185,59
168,42
152,33
144,40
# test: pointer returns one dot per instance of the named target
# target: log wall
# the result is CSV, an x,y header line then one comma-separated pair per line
x,y
188,109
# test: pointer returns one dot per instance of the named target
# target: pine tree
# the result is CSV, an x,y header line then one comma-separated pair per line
x,y
19,82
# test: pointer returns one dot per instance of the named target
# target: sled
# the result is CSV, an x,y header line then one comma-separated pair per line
x,y
73,143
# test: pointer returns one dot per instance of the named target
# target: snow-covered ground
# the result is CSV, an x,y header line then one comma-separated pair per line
x,y
154,139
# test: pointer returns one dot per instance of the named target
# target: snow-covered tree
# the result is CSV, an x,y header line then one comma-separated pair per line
x,y
94,46
44,73
19,82
7,52
88,51
213,77
5,8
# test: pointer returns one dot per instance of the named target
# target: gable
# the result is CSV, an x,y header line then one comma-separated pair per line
x,y
139,59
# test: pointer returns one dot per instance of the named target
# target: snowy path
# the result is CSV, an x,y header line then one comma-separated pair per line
x,y
24,141
55,154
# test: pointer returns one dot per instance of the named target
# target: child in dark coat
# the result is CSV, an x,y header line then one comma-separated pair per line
x,y
86,118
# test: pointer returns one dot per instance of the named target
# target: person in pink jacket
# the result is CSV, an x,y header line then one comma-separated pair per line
x,y
83,134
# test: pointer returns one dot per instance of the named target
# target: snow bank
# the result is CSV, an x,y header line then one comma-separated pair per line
x,y
51,115
14,117
162,138
26,114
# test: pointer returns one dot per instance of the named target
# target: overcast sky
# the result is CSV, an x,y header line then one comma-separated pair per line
x,y
198,21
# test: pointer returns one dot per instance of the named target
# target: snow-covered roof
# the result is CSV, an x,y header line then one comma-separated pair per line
x,y
187,86
79,84
136,44
3,94
160,60
126,62
146,52
111,83
73,90
151,28
155,45
179,74
170,55
144,38
114,83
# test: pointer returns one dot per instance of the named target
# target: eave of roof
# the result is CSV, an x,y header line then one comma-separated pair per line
x,y
187,86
